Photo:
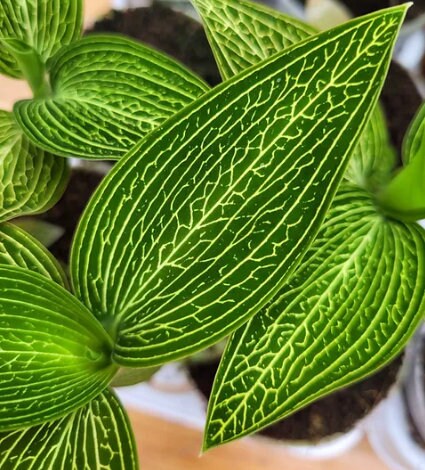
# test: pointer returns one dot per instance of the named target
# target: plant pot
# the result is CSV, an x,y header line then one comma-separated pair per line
x,y
396,430
326,428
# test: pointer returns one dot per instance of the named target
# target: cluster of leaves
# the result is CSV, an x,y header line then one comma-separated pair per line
x,y
218,219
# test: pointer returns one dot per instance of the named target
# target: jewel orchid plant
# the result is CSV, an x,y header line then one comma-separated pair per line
x,y
263,208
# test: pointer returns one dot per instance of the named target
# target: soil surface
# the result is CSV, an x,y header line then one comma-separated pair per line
x,y
66,213
168,31
361,7
336,413
400,99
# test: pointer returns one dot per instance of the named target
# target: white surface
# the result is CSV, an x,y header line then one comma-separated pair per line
x,y
388,433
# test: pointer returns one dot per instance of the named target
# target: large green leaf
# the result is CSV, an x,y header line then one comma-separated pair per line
x,y
243,33
349,309
197,227
54,356
18,248
107,92
373,158
96,437
31,180
45,25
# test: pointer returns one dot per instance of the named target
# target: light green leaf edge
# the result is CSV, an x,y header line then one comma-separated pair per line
x,y
180,230
97,437
415,136
243,33
45,25
54,358
31,180
18,248
108,92
348,310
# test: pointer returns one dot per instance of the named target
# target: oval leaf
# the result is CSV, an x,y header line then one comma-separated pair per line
x,y
18,248
200,224
45,25
96,437
348,310
108,91
243,33
31,180
54,356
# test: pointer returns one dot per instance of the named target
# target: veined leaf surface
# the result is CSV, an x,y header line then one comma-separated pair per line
x,y
415,136
54,356
31,180
18,248
349,309
45,25
243,33
97,437
197,228
107,93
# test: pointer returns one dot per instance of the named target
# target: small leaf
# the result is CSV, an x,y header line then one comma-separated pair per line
x,y
97,437
203,221
373,158
31,180
45,232
54,355
414,136
18,248
349,309
45,25
243,33
107,92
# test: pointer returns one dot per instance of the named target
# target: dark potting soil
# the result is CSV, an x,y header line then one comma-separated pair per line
x,y
400,99
66,213
336,413
360,7
168,31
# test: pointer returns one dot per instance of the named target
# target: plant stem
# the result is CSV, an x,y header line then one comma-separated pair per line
x,y
31,65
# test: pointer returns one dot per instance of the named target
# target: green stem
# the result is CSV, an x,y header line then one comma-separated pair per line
x,y
31,65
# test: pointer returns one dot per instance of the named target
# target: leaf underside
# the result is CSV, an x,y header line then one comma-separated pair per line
x,y
108,92
31,180
348,310
97,436
214,209
18,248
54,356
45,25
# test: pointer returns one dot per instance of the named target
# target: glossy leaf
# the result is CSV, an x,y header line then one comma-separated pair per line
x,y
373,158
349,309
414,136
54,356
45,25
97,437
18,248
243,33
197,228
31,180
107,92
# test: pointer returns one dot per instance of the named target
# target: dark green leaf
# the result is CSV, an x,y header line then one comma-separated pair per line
x,y
107,92
200,225
54,355
31,180
349,309
96,437
18,248
45,25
